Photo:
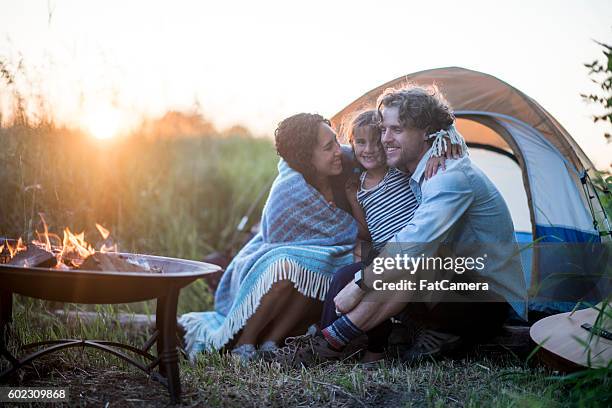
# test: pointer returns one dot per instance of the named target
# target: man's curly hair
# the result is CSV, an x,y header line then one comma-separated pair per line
x,y
419,107
296,138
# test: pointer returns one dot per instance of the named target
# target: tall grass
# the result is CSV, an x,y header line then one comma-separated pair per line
x,y
179,197
176,197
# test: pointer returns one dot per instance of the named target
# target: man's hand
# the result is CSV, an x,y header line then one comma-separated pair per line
x,y
348,298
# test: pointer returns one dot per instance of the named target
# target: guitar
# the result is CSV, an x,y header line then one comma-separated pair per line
x,y
575,340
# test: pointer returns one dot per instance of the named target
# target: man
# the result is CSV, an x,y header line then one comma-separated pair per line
x,y
461,214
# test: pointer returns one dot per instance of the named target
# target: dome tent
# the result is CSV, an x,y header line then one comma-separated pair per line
x,y
539,169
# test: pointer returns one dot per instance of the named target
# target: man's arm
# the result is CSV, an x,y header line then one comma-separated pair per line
x,y
444,200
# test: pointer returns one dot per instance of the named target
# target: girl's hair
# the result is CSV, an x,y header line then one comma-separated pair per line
x,y
295,139
367,119
419,107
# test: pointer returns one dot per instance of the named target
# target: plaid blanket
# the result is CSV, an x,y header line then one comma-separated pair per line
x,y
302,239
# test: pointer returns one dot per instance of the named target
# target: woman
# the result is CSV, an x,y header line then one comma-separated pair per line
x,y
275,284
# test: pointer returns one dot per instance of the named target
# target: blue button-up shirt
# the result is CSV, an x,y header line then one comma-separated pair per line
x,y
462,208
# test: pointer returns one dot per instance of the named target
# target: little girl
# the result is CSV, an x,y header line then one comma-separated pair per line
x,y
381,199
383,204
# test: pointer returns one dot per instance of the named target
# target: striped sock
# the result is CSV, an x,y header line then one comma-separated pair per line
x,y
341,332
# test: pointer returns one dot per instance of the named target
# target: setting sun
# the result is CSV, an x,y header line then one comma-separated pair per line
x,y
137,68
102,123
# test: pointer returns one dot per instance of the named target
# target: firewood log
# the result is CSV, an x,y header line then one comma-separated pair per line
x,y
109,262
33,256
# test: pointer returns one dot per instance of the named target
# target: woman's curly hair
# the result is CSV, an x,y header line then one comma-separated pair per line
x,y
296,138
419,107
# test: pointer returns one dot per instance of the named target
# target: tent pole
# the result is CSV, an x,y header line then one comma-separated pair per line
x,y
586,181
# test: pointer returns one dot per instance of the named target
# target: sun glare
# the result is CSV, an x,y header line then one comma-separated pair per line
x,y
103,123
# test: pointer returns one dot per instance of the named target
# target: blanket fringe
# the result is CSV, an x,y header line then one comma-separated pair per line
x,y
439,145
308,283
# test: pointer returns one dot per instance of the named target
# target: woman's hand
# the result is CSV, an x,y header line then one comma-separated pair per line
x,y
454,152
433,164
348,298
451,151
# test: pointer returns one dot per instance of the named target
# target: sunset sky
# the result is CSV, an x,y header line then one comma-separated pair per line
x,y
103,65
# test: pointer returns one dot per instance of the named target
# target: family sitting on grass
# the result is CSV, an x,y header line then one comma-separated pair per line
x,y
414,192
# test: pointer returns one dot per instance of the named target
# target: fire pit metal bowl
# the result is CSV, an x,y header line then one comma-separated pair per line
x,y
167,277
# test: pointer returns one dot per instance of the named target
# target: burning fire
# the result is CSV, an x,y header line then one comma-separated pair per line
x,y
74,249
69,251
105,234
13,250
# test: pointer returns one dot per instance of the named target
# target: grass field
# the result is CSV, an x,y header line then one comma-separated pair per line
x,y
474,379
182,197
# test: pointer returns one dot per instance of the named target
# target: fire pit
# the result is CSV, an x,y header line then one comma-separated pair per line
x,y
163,281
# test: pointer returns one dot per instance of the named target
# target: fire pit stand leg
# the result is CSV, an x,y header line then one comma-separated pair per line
x,y
6,316
6,306
159,324
166,342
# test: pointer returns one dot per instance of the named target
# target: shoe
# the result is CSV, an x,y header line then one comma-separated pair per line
x,y
244,352
430,344
267,350
404,333
307,350
371,358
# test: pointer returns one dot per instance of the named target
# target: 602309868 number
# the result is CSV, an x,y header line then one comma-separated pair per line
x,y
33,394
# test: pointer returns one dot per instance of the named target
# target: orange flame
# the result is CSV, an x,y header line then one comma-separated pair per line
x,y
72,250
108,248
44,239
75,248
103,231
14,250
8,251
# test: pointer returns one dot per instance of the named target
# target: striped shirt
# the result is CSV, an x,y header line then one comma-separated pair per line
x,y
388,206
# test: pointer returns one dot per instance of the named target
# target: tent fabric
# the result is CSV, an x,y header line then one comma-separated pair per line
x,y
482,134
549,179
496,116
506,175
468,90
